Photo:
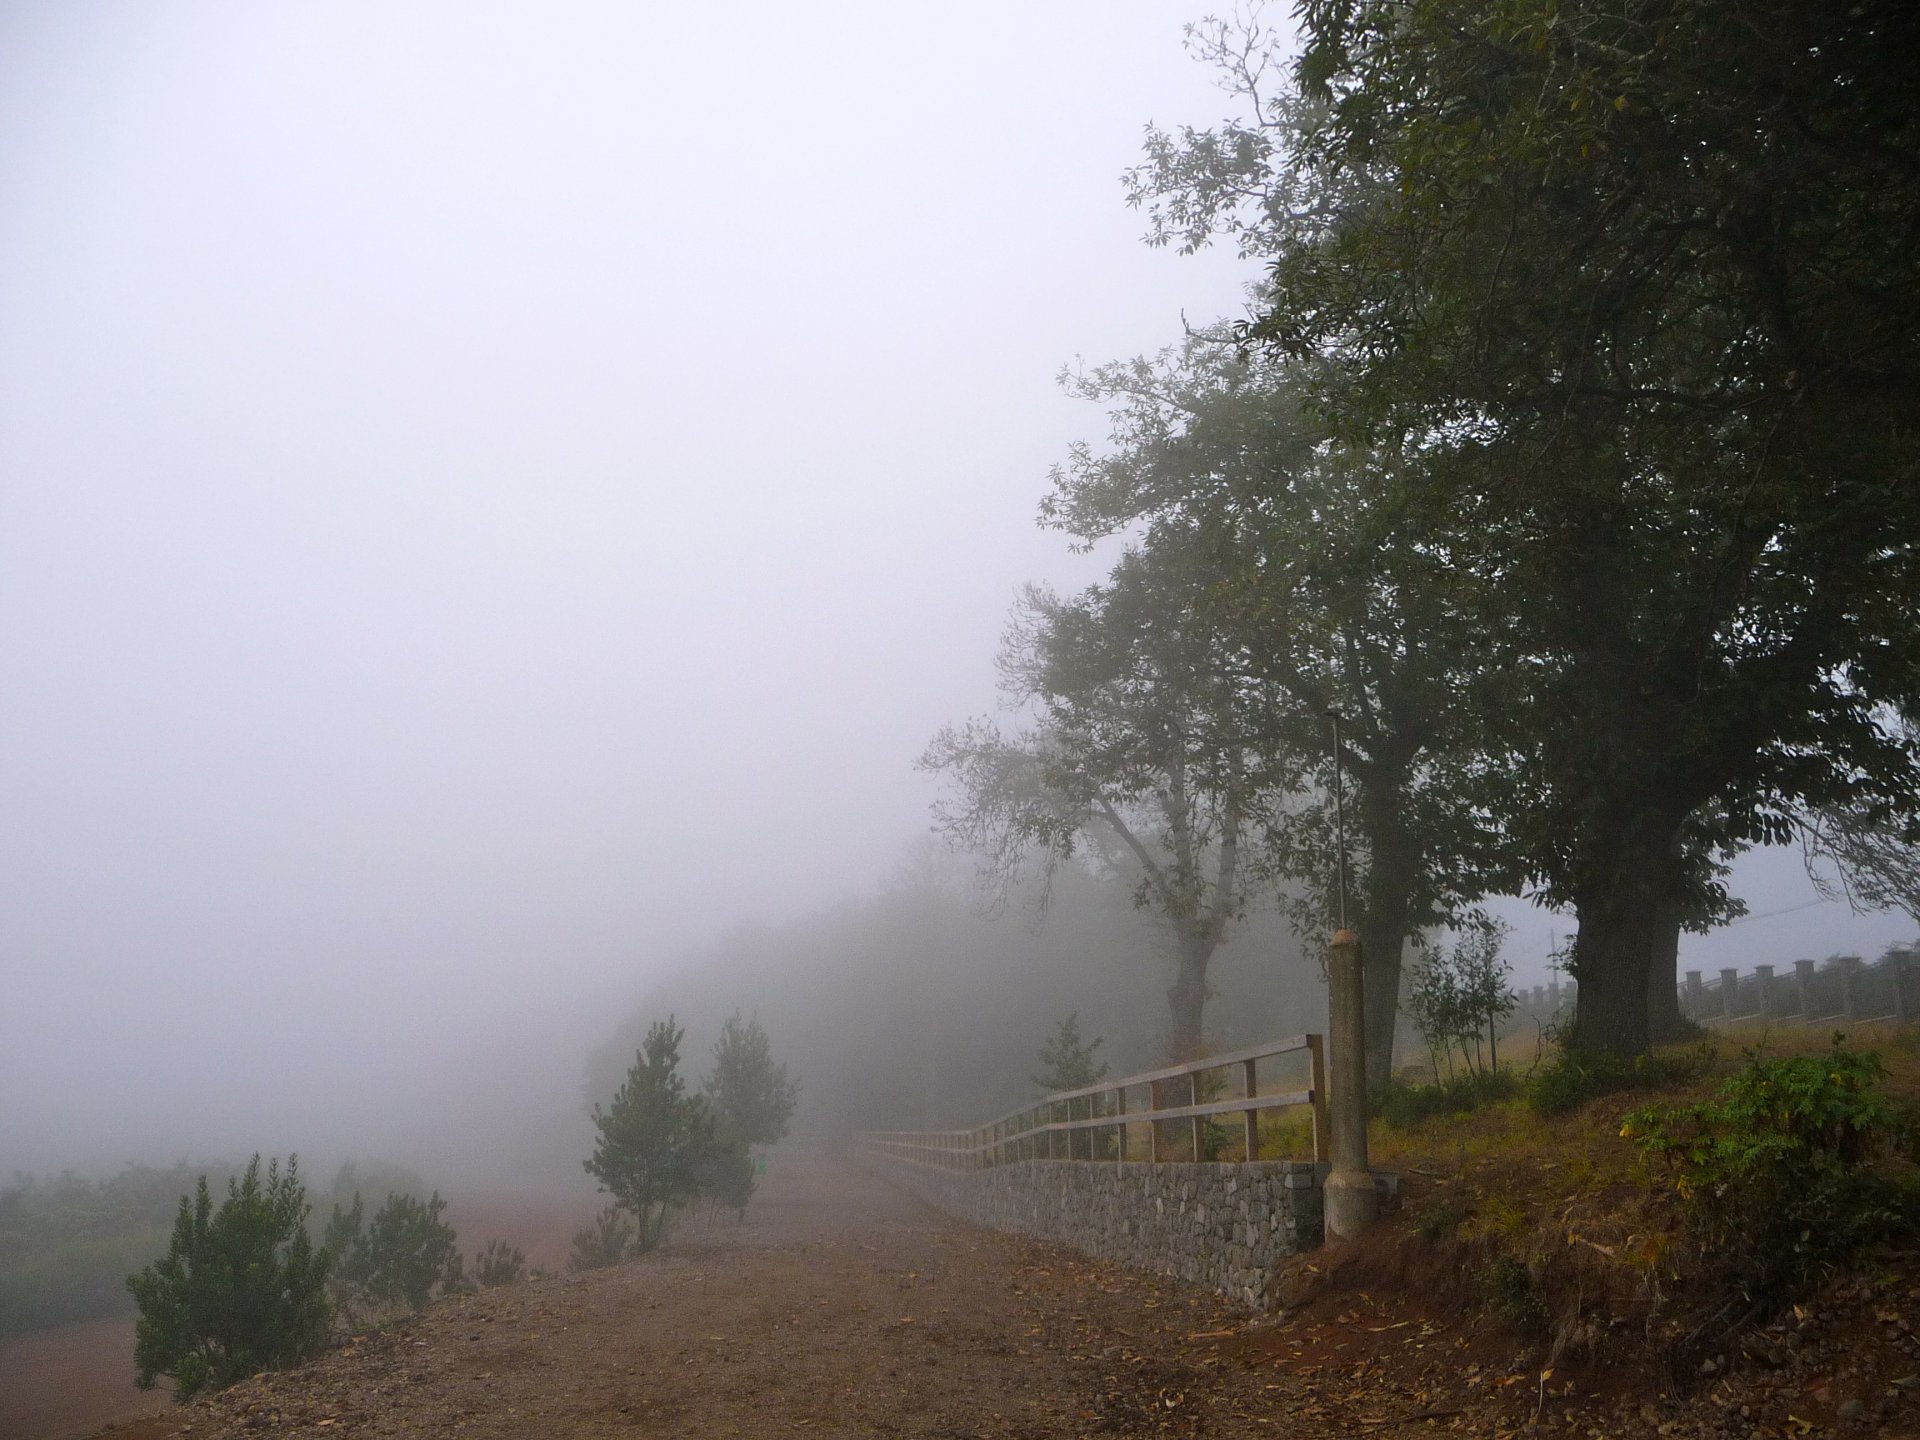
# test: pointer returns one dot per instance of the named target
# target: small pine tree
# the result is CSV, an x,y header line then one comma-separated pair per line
x,y
498,1264
393,1264
603,1243
241,1289
1068,1062
654,1137
751,1095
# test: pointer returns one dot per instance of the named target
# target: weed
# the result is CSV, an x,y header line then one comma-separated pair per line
x,y
1508,1287
498,1264
1790,1168
1578,1075
1440,1216
1406,1106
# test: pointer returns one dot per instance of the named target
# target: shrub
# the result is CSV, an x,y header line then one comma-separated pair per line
x,y
1784,1172
1577,1075
1405,1106
603,1243
1459,997
241,1289
393,1264
1508,1287
498,1264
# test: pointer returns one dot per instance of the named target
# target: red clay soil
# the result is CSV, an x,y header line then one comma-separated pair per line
x,y
845,1308
69,1381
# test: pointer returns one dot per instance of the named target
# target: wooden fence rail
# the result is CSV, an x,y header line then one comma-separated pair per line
x,y
1096,1123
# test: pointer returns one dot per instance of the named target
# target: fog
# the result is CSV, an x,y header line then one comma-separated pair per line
x,y
492,502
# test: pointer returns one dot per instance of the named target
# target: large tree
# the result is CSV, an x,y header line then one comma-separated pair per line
x,y
1321,598
1133,742
1638,285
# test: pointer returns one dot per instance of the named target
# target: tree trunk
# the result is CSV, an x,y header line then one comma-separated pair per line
x,y
1620,912
1386,905
1665,1023
1187,998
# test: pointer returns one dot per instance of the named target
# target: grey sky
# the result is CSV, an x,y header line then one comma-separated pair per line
x,y
492,494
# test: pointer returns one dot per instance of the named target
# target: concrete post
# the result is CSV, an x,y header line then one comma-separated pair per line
x,y
1763,982
1553,997
1803,987
1351,1203
1696,1006
1849,986
1897,962
1729,988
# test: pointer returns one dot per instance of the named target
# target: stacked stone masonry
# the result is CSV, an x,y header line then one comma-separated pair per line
x,y
1224,1226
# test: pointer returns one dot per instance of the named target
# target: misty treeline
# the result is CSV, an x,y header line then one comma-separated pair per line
x,y
1564,452
918,1006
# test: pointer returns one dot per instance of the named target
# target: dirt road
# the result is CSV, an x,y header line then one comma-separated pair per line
x,y
841,1307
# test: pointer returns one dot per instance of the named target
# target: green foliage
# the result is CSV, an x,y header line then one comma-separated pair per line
x,y
392,1265
1508,1287
654,1139
1067,1061
1578,1074
241,1289
726,1173
605,1242
1786,1171
1440,1216
1460,996
1405,1106
498,1264
752,1097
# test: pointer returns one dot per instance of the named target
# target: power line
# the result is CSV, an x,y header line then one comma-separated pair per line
x,y
1768,915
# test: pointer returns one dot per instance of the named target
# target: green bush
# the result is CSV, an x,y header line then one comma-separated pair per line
x,y
1508,1287
498,1264
1788,1170
1404,1106
393,1264
1577,1075
241,1289
605,1242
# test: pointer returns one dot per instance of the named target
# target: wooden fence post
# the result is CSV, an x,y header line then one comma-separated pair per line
x,y
1317,1083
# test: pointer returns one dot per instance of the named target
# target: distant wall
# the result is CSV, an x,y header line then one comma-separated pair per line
x,y
1225,1226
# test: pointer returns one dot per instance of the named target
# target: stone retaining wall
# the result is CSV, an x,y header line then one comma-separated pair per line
x,y
1224,1226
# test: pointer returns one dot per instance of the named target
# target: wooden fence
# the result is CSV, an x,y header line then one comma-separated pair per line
x,y
1129,1119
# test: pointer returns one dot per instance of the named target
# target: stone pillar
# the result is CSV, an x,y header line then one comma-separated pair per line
x,y
1897,962
1729,989
1850,986
1696,1002
1803,987
1352,1204
1763,982
1553,997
